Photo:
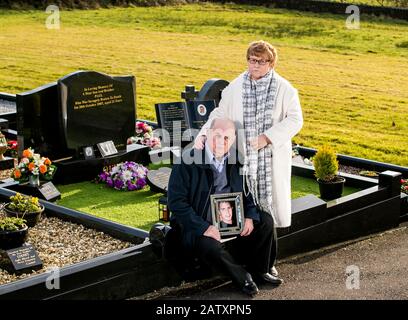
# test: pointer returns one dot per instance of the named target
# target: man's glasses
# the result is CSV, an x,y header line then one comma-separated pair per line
x,y
260,62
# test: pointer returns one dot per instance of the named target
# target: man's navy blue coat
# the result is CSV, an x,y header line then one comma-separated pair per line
x,y
189,191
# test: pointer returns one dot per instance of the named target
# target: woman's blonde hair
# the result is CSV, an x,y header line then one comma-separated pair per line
x,y
260,48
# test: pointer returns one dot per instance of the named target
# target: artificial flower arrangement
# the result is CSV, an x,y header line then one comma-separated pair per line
x,y
32,164
127,176
404,186
12,147
144,135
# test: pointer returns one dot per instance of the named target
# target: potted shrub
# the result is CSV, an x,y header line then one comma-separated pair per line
x,y
13,232
326,166
27,207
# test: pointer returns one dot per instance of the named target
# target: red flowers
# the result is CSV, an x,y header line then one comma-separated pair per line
x,y
404,185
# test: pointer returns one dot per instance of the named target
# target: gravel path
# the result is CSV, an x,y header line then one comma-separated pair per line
x,y
382,262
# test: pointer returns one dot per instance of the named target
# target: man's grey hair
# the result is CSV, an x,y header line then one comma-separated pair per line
x,y
213,122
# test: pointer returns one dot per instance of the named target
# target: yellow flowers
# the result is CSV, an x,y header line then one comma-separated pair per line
x,y
24,204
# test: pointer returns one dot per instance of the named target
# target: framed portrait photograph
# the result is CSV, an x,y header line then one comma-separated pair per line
x,y
227,212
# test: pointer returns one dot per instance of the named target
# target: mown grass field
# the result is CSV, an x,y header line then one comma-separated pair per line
x,y
140,208
353,84
377,3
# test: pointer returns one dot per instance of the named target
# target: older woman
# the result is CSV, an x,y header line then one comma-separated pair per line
x,y
267,107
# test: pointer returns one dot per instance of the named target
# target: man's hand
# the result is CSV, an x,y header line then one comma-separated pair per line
x,y
259,142
213,232
248,227
199,142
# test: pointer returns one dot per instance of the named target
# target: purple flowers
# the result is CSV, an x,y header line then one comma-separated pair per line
x,y
125,176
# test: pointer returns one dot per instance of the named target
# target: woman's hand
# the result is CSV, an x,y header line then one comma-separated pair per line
x,y
213,232
259,142
248,227
199,142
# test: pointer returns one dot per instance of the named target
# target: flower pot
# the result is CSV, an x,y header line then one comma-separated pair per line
x,y
331,190
34,180
13,239
31,217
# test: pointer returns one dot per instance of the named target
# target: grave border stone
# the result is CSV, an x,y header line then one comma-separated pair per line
x,y
126,273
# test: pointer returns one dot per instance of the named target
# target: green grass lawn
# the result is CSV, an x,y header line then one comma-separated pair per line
x,y
376,3
140,208
353,84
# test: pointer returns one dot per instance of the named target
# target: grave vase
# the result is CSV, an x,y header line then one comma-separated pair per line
x,y
34,180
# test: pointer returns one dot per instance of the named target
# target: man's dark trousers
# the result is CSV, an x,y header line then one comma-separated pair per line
x,y
257,251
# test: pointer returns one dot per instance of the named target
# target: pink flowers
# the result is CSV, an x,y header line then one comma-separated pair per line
x,y
144,135
404,185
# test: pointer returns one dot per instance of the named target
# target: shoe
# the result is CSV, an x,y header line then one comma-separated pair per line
x,y
250,288
268,278
274,272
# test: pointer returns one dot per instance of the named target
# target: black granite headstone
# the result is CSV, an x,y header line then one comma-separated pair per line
x,y
177,117
171,116
190,94
96,107
24,259
38,122
212,89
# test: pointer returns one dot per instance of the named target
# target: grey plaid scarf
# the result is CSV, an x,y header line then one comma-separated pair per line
x,y
258,103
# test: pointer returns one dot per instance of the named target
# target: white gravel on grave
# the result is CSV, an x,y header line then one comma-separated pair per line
x,y
60,243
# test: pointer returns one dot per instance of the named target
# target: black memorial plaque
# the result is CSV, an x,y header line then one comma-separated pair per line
x,y
171,116
158,180
24,259
177,117
199,112
96,107
46,190
49,192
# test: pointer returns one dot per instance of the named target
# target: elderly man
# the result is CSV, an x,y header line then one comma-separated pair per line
x,y
190,186
267,107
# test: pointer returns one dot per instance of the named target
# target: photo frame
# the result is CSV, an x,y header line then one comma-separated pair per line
x,y
107,148
227,212
88,152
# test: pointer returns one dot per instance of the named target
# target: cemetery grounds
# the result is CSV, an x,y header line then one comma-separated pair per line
x,y
353,84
